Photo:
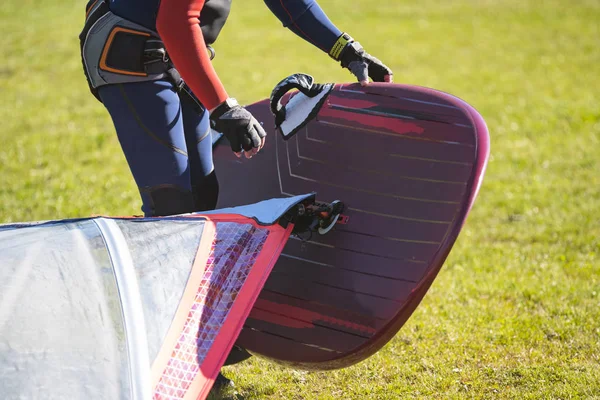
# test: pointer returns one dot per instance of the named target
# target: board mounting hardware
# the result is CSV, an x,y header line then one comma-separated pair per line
x,y
318,216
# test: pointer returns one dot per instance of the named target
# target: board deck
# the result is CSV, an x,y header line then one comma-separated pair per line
x,y
407,162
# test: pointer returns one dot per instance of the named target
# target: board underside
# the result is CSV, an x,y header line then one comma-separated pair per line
x,y
407,162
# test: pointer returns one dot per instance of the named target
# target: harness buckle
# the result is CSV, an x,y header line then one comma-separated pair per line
x,y
165,56
155,55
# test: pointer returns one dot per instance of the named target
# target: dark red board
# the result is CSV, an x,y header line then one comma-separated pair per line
x,y
407,162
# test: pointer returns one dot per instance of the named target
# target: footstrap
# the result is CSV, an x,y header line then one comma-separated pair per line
x,y
301,107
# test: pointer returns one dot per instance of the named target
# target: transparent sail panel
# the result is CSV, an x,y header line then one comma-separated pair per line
x,y
232,256
163,253
61,326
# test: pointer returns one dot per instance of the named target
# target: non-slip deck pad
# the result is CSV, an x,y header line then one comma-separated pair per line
x,y
407,162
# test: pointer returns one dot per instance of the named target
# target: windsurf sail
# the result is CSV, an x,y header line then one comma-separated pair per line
x,y
134,308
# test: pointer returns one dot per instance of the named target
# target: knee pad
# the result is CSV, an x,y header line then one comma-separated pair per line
x,y
164,200
206,192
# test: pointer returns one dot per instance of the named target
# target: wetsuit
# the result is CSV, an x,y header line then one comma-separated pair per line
x,y
166,142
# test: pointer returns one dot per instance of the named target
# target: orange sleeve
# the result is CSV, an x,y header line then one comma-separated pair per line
x,y
178,24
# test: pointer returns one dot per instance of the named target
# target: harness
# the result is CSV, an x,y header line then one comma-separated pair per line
x,y
115,50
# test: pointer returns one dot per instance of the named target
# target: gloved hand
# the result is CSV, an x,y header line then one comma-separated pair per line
x,y
352,56
239,126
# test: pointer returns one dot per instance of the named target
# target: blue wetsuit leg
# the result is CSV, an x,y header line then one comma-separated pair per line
x,y
161,138
205,186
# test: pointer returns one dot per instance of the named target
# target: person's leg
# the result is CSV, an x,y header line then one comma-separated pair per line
x,y
205,186
149,124
206,190
156,128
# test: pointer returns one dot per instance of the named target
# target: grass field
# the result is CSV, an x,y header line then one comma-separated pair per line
x,y
515,312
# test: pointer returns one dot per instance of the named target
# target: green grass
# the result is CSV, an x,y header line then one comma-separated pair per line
x,y
514,312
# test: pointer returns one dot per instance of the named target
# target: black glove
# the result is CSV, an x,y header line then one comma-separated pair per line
x,y
352,56
239,126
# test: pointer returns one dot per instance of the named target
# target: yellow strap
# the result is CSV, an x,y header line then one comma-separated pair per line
x,y
339,45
